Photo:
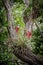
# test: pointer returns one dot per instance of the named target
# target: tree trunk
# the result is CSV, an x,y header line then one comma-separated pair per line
x,y
21,52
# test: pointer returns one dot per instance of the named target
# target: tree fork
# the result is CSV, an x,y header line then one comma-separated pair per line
x,y
22,53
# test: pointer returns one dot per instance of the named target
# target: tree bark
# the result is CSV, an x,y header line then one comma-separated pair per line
x,y
26,55
34,14
21,52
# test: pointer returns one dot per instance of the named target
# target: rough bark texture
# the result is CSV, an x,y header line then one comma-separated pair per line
x,y
26,55
21,52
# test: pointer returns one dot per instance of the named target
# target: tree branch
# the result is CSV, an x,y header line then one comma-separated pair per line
x,y
6,4
26,55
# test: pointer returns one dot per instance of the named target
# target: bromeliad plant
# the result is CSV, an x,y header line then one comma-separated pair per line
x,y
17,12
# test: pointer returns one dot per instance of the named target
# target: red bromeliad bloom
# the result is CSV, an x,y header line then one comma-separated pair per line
x,y
28,34
17,28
